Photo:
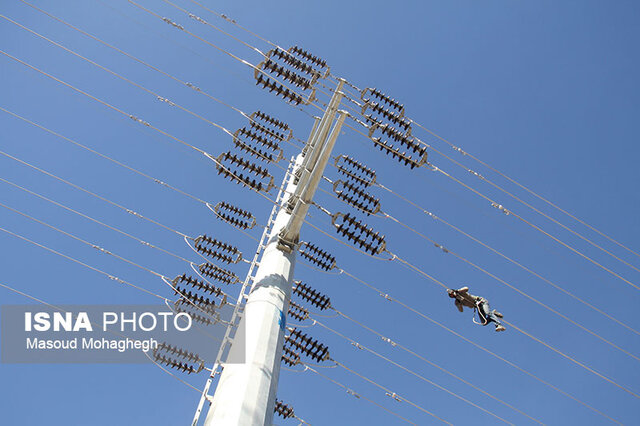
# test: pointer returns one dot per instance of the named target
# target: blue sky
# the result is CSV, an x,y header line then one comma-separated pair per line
x,y
543,91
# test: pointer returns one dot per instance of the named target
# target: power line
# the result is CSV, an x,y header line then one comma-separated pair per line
x,y
512,364
408,370
568,293
357,395
111,277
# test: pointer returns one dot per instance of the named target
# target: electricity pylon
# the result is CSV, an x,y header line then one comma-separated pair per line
x,y
246,392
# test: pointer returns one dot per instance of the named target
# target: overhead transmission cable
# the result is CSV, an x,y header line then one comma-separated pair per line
x,y
357,395
395,256
395,344
390,298
499,253
448,175
408,370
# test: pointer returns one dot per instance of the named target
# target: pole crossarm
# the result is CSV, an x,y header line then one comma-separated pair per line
x,y
319,148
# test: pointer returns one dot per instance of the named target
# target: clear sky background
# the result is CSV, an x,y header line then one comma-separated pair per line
x,y
545,91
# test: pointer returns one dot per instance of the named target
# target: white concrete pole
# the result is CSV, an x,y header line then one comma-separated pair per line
x,y
246,392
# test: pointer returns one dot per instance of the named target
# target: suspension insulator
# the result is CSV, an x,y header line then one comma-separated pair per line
x,y
383,114
292,61
259,137
226,162
318,257
312,296
266,119
197,300
197,313
235,216
358,233
185,279
306,345
370,92
255,144
391,133
290,357
180,359
260,128
283,410
273,68
304,55
356,197
280,90
215,249
217,273
416,158
355,171
298,312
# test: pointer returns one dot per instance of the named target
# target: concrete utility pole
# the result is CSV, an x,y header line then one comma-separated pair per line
x,y
246,392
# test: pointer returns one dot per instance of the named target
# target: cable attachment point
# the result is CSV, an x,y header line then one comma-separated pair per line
x,y
161,99
317,256
476,174
170,22
297,311
356,197
217,273
389,341
283,410
306,345
394,396
501,208
311,295
116,279
235,216
193,86
237,162
460,150
350,392
441,247
180,359
197,18
357,345
358,233
216,249
139,120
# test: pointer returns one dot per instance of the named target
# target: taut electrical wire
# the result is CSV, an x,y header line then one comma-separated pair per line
x,y
357,395
166,74
444,370
93,194
426,144
536,228
568,293
141,241
525,188
500,280
512,364
408,370
391,393
111,277
578,363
